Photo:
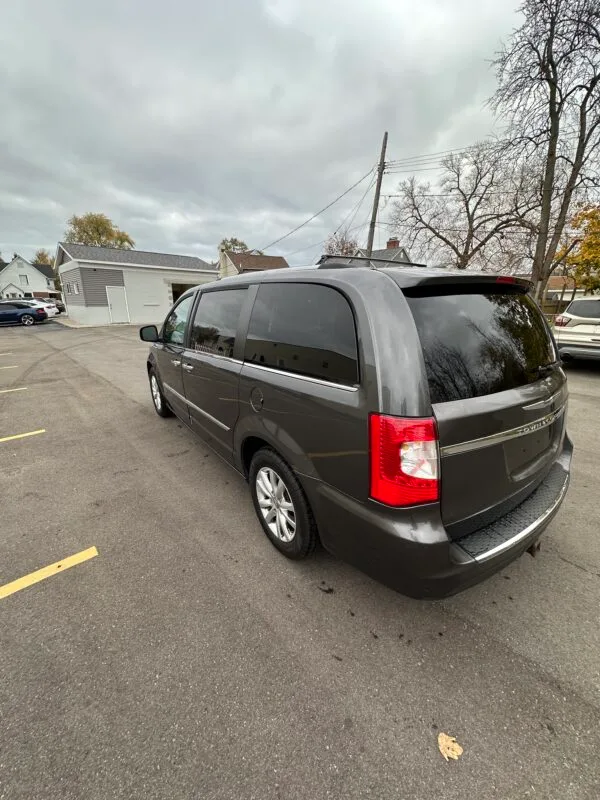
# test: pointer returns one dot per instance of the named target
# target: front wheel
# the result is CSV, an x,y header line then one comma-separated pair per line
x,y
281,505
158,398
27,319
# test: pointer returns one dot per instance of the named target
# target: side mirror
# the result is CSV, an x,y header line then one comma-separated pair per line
x,y
149,333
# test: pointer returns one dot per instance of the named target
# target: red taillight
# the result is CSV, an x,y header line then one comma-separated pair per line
x,y
40,311
561,321
506,279
404,460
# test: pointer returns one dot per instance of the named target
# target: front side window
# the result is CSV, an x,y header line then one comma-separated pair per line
x,y
174,328
215,322
306,329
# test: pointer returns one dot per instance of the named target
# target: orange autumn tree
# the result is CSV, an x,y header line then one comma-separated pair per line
x,y
583,258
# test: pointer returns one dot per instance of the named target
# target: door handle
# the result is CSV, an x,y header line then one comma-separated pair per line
x,y
176,362
189,367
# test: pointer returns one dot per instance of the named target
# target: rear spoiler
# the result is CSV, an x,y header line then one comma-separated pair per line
x,y
466,284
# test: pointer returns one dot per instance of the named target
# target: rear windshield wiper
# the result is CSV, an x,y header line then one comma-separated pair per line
x,y
546,369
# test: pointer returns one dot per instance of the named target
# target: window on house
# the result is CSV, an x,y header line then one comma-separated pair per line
x,y
23,280
75,288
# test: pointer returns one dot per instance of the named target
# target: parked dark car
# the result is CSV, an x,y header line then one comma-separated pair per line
x,y
58,303
20,311
411,419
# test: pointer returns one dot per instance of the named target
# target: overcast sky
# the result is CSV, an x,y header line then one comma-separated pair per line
x,y
186,120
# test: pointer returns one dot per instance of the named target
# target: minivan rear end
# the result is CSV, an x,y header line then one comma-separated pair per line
x,y
468,481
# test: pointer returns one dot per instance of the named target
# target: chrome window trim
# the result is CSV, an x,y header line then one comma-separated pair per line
x,y
503,436
189,352
319,381
195,407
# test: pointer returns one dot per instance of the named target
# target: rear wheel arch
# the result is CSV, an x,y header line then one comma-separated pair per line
x,y
249,447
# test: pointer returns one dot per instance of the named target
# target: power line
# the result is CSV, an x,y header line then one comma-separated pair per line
x,y
451,194
508,231
310,219
356,209
316,244
428,156
413,169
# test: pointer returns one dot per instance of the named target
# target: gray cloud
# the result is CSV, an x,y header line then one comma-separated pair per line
x,y
187,121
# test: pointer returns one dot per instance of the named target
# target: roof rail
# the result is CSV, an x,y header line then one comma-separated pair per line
x,y
339,261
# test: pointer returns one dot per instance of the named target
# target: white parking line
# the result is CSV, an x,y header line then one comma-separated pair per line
x,y
14,366
20,389
5,354
21,435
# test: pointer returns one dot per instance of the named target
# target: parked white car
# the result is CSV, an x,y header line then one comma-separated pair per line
x,y
48,306
577,329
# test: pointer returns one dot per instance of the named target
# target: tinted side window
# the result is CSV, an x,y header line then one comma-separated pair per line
x,y
216,320
174,329
304,328
585,308
478,344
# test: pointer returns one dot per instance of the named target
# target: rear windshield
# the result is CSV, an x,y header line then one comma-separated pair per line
x,y
477,344
585,308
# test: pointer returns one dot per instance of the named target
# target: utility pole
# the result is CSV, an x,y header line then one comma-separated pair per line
x,y
380,170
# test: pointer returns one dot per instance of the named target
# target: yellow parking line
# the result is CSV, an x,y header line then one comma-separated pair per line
x,y
21,435
19,389
15,366
46,572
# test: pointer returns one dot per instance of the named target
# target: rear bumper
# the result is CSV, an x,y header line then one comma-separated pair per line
x,y
410,551
579,350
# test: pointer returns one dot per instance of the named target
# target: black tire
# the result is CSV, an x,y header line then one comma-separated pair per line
x,y
27,319
305,530
158,398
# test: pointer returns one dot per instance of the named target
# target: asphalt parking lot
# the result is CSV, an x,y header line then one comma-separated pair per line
x,y
188,659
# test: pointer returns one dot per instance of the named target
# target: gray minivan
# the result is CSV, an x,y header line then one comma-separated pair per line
x,y
411,420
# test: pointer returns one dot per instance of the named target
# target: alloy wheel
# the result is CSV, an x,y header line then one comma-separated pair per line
x,y
276,504
155,389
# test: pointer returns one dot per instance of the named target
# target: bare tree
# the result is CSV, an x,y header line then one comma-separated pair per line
x,y
479,214
549,93
341,243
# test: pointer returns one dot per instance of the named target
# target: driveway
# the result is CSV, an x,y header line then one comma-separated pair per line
x,y
188,659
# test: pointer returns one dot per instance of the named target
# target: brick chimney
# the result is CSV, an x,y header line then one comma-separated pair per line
x,y
392,243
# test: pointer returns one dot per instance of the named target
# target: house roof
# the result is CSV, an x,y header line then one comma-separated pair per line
x,y
139,258
389,254
251,262
45,269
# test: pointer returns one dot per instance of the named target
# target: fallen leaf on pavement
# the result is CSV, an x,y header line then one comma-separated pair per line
x,y
449,747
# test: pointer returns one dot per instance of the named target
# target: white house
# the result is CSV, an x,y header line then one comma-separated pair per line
x,y
104,285
21,278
